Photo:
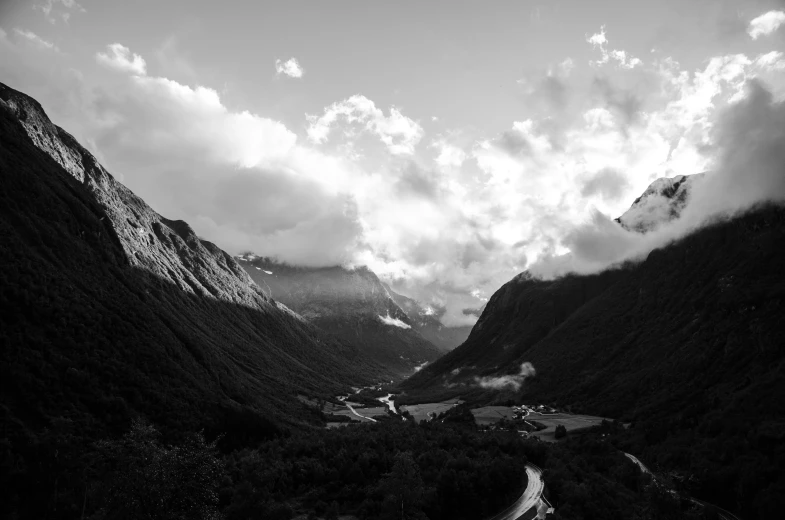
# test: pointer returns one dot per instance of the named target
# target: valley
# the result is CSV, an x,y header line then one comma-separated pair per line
x,y
148,373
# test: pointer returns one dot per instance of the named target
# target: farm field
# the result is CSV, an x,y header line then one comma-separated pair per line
x,y
423,412
571,423
492,414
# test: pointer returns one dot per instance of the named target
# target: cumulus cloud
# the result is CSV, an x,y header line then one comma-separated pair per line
x,y
626,104
399,133
765,24
449,154
120,58
289,68
600,41
36,40
608,183
446,224
748,144
62,8
514,382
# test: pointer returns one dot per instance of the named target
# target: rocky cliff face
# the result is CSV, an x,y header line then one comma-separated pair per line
x,y
124,312
425,320
351,304
662,202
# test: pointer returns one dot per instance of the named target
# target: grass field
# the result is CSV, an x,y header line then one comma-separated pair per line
x,y
423,412
491,414
571,422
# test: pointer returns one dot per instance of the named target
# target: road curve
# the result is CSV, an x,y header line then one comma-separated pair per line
x,y
357,414
530,497
722,513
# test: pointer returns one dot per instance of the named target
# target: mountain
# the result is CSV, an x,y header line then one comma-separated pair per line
x,y
662,201
350,304
109,311
687,345
425,320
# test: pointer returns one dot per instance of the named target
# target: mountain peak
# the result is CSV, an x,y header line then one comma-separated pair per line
x,y
663,201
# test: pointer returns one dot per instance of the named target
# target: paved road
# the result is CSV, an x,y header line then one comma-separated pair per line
x,y
530,497
723,514
357,414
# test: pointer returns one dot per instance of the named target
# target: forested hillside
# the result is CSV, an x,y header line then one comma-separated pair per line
x,y
349,304
687,345
109,311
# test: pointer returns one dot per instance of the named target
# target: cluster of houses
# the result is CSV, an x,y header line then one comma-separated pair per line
x,y
524,410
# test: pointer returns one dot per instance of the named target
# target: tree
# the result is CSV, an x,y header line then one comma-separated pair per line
x,y
560,432
403,489
144,479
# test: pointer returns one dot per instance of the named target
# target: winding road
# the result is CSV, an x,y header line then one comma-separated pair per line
x,y
723,514
530,498
351,408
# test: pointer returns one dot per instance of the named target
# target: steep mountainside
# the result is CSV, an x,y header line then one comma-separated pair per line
x,y
662,201
109,310
687,344
350,304
425,321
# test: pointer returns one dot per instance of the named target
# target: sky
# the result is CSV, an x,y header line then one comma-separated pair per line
x,y
447,145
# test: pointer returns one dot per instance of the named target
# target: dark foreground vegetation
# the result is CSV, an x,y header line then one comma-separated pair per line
x,y
446,468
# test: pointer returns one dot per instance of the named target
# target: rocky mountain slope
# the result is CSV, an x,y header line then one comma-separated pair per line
x,y
662,202
109,310
350,304
425,320
687,345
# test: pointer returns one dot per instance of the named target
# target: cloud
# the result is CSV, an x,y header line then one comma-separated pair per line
x,y
120,58
765,24
446,223
626,104
37,40
395,322
514,382
399,133
51,8
600,41
449,154
607,183
289,68
748,153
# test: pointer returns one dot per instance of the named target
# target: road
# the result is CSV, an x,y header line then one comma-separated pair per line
x,y
723,514
357,414
530,497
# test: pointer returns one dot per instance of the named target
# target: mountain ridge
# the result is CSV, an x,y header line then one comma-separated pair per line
x,y
102,293
350,304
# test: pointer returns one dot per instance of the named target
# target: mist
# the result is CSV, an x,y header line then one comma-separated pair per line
x,y
512,381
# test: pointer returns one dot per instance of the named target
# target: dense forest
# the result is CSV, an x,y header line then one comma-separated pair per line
x,y
446,468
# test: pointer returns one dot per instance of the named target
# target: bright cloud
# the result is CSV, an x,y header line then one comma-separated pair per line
x,y
600,41
394,322
37,40
765,24
120,58
399,133
447,223
63,8
289,68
